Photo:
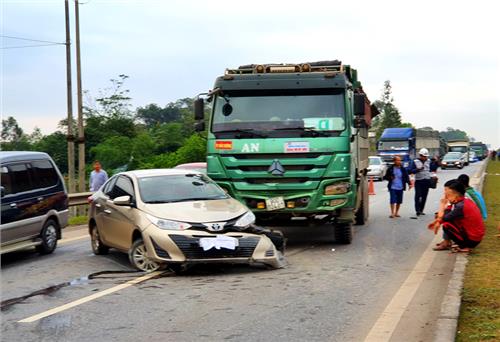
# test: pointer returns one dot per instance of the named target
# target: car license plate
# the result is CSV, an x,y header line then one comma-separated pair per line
x,y
275,203
221,241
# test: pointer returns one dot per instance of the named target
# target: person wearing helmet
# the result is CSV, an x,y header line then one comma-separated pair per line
x,y
422,180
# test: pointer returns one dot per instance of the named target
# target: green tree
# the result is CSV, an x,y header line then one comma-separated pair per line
x,y
193,150
13,136
390,115
113,152
453,134
56,146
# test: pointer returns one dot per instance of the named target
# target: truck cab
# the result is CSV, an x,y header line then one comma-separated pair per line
x,y
397,142
461,146
291,141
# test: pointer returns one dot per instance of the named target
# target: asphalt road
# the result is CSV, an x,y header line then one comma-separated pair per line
x,y
328,292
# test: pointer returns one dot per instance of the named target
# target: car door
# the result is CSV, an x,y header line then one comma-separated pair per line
x,y
118,224
99,204
20,216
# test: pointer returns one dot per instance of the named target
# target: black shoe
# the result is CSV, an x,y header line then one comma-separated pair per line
x,y
422,213
419,213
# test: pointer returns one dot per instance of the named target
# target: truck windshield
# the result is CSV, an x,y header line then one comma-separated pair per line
x,y
272,111
393,145
462,149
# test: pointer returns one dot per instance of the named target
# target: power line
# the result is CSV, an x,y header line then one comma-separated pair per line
x,y
31,40
28,46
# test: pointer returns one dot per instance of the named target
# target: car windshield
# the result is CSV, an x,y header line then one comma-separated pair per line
x,y
393,145
461,149
375,161
179,188
452,156
271,112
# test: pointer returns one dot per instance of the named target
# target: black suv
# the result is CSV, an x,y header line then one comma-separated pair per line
x,y
34,202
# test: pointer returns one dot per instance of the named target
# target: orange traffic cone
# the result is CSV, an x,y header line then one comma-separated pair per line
x,y
371,187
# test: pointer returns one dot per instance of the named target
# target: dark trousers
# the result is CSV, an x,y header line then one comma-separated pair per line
x,y
458,235
421,191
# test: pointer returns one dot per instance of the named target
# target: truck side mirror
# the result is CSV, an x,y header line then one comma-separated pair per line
x,y
199,107
199,126
359,104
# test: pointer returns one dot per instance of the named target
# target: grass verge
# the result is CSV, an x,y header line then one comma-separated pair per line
x,y
77,220
480,311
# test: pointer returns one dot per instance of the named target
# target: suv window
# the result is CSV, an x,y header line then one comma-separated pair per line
x,y
6,180
20,178
123,187
45,174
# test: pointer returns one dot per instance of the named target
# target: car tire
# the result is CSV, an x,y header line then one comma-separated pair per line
x,y
343,233
98,247
48,236
139,259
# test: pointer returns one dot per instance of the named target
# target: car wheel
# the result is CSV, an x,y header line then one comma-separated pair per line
x,y
139,258
97,246
49,237
343,233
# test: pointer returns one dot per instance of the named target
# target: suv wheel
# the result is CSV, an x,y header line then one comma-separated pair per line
x,y
139,258
49,237
97,246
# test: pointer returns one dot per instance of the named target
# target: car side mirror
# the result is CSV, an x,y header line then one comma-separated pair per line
x,y
2,191
123,201
199,109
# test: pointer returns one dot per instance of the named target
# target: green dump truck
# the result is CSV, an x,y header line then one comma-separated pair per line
x,y
291,142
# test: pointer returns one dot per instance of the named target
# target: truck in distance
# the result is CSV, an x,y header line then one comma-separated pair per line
x,y
291,142
406,142
460,145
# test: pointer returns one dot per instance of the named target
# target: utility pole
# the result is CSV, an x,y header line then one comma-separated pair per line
x,y
81,134
70,137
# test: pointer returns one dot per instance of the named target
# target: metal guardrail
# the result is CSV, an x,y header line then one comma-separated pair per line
x,y
78,198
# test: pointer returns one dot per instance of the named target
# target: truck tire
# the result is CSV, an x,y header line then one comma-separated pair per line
x,y
362,213
343,233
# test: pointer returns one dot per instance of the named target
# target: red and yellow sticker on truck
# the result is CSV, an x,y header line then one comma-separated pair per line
x,y
223,145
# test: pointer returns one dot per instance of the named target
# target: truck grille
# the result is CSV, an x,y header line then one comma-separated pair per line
x,y
251,171
192,250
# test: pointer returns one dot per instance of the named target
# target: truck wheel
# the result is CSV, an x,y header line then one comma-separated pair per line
x,y
361,215
343,233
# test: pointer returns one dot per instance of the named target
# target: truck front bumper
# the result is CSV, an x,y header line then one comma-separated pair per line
x,y
297,202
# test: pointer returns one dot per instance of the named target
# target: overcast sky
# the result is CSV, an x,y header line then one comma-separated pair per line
x,y
442,57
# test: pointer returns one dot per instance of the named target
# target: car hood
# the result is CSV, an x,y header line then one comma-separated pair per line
x,y
197,211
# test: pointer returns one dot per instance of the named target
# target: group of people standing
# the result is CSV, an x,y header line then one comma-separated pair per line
x,y
399,178
460,217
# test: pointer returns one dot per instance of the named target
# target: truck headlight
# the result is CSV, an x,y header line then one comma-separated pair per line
x,y
245,220
337,188
167,224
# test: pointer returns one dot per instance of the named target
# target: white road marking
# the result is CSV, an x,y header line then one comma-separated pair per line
x,y
386,324
90,298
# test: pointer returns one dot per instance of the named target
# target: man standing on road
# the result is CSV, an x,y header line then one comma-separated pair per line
x,y
422,172
398,179
97,177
